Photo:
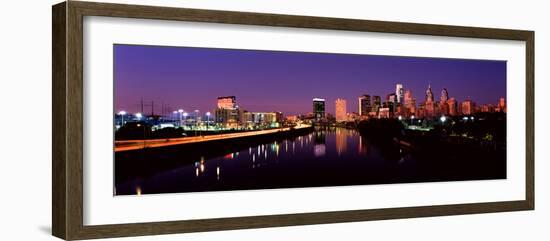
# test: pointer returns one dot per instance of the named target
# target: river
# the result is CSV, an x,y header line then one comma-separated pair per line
x,y
324,157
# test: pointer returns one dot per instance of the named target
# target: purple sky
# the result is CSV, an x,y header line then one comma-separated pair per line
x,y
192,78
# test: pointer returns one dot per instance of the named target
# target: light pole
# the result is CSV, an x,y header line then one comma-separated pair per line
x,y
196,119
207,119
180,111
139,115
122,113
184,118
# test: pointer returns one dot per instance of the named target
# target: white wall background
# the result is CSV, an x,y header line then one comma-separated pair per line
x,y
25,100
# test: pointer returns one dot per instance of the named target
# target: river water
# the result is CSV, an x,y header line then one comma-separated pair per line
x,y
324,157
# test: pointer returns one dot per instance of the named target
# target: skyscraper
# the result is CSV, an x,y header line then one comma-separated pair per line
x,y
364,105
318,109
377,103
452,106
409,103
391,100
467,107
341,110
429,104
443,105
502,105
444,95
399,92
429,94
227,111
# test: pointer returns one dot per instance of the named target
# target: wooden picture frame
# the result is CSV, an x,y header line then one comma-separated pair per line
x,y
67,124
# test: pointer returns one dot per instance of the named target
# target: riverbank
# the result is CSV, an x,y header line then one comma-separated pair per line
x,y
129,145
144,162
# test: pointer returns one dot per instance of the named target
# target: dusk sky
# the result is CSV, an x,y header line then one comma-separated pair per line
x,y
192,78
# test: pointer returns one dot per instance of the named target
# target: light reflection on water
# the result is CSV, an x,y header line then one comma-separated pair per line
x,y
317,155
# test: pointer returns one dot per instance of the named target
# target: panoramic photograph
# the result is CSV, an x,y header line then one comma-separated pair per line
x,y
190,119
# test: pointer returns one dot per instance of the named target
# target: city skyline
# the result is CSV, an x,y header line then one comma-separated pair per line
x,y
157,73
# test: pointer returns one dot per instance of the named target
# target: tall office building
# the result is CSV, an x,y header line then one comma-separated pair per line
x,y
318,109
409,103
364,105
227,111
399,92
391,100
377,103
452,106
444,95
429,94
443,105
467,107
502,104
341,110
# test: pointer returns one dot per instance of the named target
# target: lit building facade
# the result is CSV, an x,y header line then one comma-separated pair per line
x,y
399,93
318,109
364,105
452,104
409,104
341,110
377,103
501,105
227,111
467,107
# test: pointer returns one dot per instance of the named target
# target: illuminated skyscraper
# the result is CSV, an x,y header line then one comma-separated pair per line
x,y
341,110
377,103
409,103
399,92
467,107
452,106
502,105
444,95
429,104
364,105
391,100
429,94
318,109
227,111
443,105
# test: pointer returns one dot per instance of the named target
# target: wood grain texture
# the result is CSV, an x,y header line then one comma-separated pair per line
x,y
67,78
59,181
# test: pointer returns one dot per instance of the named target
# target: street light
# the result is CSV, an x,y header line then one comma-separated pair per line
x,y
139,115
207,119
443,119
184,118
399,117
180,111
122,113
196,118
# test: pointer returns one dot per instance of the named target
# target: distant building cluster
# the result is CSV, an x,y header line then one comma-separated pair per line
x,y
399,104
230,115
402,103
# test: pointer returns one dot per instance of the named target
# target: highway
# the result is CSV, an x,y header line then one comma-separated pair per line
x,y
128,145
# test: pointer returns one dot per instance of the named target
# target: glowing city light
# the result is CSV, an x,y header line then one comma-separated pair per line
x,y
443,119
